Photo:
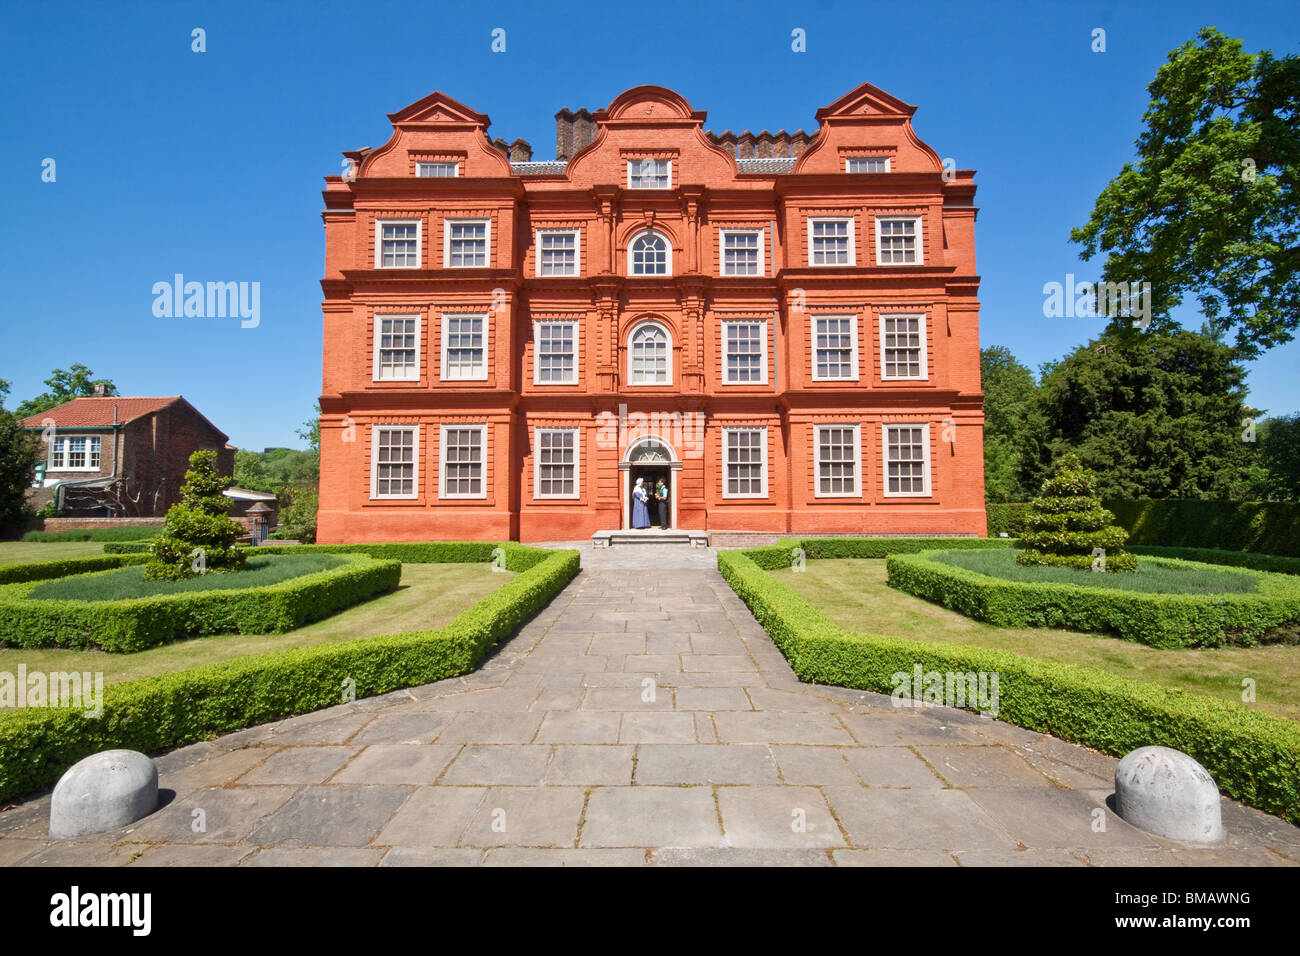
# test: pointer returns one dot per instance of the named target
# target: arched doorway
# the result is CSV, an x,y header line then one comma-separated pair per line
x,y
652,459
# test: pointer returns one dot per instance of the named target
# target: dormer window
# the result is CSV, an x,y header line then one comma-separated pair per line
x,y
649,255
867,164
437,170
649,174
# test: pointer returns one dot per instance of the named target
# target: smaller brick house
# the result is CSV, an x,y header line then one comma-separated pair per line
x,y
121,457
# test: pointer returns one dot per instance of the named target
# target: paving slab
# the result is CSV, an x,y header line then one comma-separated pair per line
x,y
553,754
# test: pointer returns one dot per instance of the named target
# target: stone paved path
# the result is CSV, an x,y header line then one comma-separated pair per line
x,y
644,717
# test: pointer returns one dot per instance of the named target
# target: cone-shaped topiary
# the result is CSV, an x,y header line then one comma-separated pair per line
x,y
1066,523
198,535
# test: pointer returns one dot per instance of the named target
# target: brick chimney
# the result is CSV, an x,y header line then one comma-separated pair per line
x,y
563,135
763,145
502,145
520,151
100,390
745,145
799,142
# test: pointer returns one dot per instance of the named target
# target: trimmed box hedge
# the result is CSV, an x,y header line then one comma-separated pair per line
x,y
1160,620
780,555
158,713
1253,756
1273,563
138,623
1271,527
135,532
45,570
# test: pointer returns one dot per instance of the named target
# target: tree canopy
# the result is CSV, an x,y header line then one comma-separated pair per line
x,y
76,381
1210,207
1009,389
1161,415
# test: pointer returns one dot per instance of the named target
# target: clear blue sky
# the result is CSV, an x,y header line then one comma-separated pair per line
x,y
210,164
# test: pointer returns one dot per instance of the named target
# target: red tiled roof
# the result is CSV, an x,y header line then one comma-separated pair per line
x,y
98,412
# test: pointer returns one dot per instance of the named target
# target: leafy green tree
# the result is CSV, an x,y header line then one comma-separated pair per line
x,y
298,521
311,430
198,534
4,392
1278,442
19,453
1210,207
64,385
1009,389
249,471
1067,526
1158,416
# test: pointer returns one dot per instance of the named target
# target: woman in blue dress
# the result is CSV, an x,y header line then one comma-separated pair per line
x,y
640,515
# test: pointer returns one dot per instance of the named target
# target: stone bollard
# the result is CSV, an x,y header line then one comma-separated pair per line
x,y
1166,792
105,791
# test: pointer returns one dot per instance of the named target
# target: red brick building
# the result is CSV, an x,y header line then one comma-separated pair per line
x,y
785,328
121,456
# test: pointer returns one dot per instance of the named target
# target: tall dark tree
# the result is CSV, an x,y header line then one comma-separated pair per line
x,y
19,453
76,381
1210,207
1009,389
1278,444
1159,416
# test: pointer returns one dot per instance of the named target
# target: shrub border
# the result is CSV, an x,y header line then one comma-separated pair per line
x,y
63,567
158,713
1254,757
1159,620
134,624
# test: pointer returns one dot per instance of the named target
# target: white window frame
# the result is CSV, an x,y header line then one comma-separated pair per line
x,y
850,160
374,462
726,461
853,333
537,350
656,159
379,241
884,459
722,251
853,242
668,253
577,252
377,325
455,168
59,445
577,463
725,327
920,240
442,459
461,221
857,460
631,334
487,338
925,348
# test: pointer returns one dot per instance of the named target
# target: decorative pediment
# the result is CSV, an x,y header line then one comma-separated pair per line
x,y
865,100
649,103
438,109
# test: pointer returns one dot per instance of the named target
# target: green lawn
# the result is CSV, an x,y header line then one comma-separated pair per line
x,y
130,582
1150,578
25,552
854,594
429,596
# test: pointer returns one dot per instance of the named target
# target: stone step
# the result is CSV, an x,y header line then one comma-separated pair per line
x,y
606,539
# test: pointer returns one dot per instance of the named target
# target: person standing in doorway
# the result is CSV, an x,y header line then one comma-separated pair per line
x,y
640,514
661,496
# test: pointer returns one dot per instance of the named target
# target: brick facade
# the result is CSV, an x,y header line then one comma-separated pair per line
x,y
145,443
466,344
